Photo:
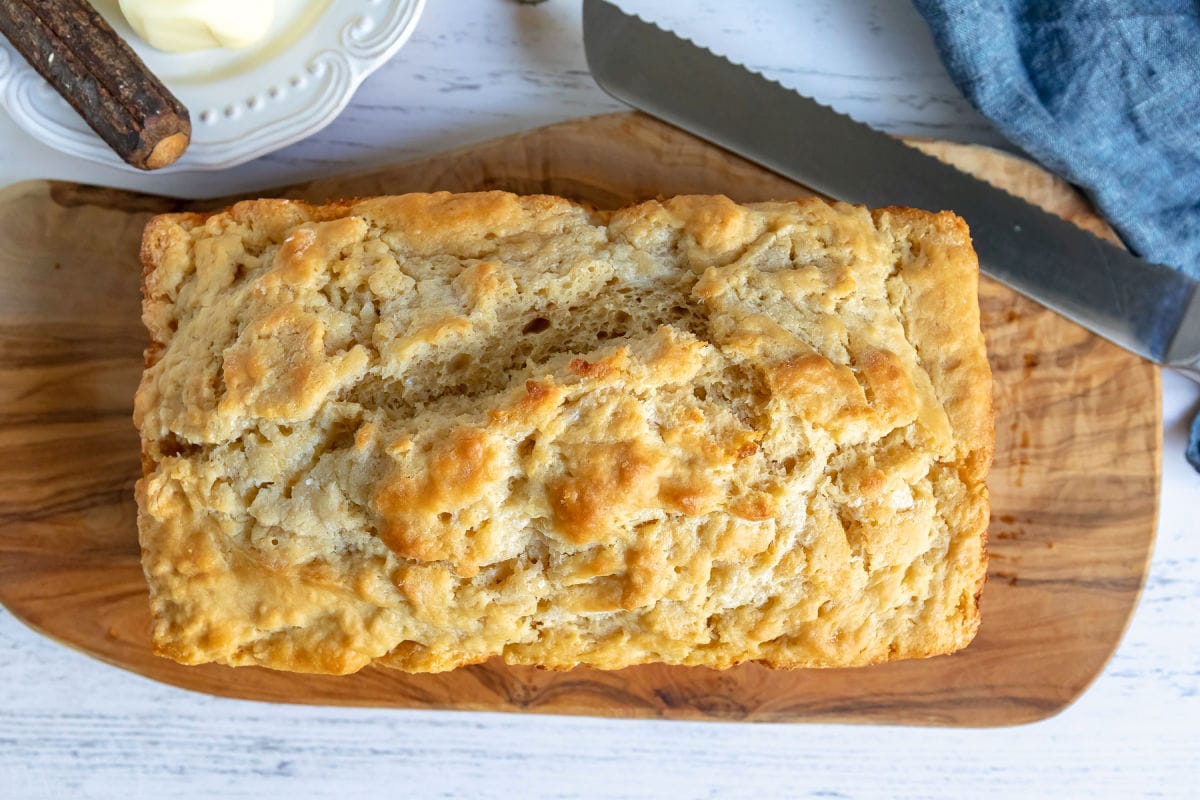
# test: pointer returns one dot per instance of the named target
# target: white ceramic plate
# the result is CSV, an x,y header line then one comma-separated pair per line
x,y
243,103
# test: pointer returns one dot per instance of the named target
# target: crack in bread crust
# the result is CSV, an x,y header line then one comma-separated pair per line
x,y
428,430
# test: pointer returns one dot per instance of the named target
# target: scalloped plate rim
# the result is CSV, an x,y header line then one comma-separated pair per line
x,y
293,125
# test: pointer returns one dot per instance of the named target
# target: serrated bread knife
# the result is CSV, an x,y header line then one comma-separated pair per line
x,y
1149,309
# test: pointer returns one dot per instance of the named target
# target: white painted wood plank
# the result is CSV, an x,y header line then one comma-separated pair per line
x,y
70,726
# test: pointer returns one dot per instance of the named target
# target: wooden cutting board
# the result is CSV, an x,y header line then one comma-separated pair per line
x,y
1074,487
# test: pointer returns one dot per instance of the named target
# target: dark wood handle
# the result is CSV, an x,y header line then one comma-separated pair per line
x,y
84,59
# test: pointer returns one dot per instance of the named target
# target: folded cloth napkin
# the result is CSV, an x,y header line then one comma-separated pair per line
x,y
1106,93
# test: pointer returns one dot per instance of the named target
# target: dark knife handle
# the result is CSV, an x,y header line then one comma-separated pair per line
x,y
83,58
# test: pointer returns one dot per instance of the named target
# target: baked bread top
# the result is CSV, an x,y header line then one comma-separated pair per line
x,y
430,429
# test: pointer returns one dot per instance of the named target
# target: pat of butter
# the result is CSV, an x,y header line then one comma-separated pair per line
x,y
180,26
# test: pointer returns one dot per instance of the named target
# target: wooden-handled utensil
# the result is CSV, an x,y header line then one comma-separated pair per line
x,y
84,59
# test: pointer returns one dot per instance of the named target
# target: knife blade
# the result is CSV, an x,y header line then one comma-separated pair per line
x,y
1147,308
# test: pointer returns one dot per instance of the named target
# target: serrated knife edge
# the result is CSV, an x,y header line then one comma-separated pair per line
x,y
1156,315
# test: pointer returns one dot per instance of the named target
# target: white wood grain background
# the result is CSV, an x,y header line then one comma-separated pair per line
x,y
475,69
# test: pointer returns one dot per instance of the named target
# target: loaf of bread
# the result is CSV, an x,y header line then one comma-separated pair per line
x,y
428,430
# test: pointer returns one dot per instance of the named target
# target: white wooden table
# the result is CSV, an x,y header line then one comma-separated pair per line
x,y
475,69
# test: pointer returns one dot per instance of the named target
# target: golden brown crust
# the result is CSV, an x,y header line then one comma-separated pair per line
x,y
427,430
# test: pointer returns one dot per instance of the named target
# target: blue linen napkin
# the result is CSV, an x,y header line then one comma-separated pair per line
x,y
1106,93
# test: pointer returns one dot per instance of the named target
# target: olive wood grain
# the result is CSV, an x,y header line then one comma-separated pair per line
x,y
1074,487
